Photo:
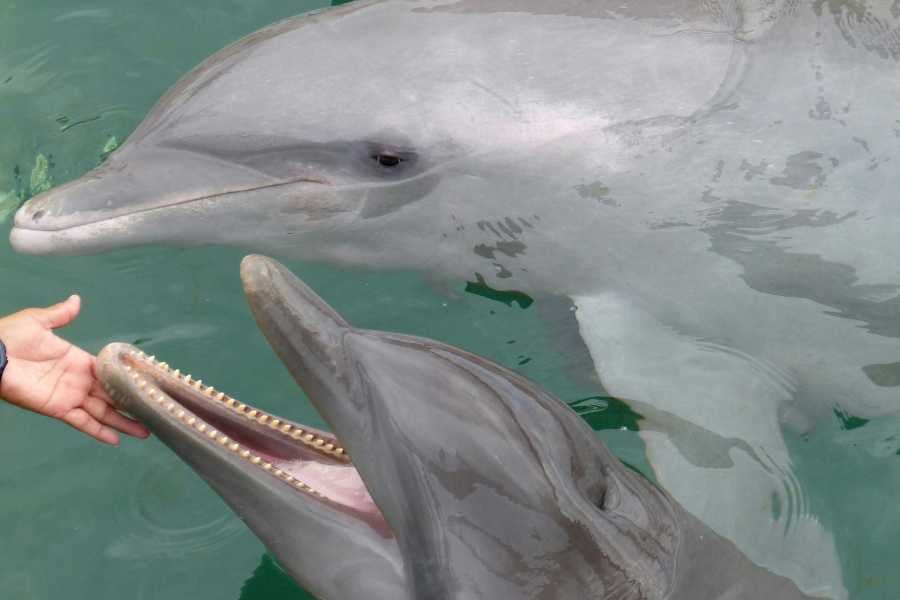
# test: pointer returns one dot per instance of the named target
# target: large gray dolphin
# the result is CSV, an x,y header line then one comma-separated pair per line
x,y
713,184
467,480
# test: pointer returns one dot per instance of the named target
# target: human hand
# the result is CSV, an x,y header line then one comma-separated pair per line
x,y
50,376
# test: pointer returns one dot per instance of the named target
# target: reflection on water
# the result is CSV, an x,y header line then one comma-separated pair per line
x,y
75,79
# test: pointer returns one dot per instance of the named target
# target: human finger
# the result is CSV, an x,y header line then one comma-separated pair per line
x,y
107,415
97,390
61,314
85,423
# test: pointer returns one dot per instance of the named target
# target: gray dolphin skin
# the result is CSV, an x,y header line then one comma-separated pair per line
x,y
467,480
712,184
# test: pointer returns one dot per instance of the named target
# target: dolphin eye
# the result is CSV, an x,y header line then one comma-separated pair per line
x,y
390,158
387,159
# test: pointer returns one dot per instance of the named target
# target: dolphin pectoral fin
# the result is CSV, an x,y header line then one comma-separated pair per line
x,y
744,490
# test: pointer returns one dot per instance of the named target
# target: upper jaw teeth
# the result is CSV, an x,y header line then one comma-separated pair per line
x,y
291,430
192,421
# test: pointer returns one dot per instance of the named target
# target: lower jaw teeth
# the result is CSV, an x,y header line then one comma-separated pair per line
x,y
198,425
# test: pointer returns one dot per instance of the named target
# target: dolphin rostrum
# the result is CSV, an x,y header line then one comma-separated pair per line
x,y
466,480
713,184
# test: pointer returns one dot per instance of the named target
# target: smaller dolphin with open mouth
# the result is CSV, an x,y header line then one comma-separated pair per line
x,y
467,480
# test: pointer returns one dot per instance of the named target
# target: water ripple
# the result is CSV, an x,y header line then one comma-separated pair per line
x,y
167,517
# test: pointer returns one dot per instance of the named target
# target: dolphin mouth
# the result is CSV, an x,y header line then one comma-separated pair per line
x,y
311,462
65,220
44,213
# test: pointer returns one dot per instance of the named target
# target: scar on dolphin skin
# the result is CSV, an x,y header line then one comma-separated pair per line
x,y
509,248
597,190
883,375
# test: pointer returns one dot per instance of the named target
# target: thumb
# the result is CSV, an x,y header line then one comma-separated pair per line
x,y
60,315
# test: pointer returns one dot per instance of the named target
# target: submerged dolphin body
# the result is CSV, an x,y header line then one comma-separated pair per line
x,y
467,480
713,185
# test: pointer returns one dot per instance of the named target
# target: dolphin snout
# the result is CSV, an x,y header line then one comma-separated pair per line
x,y
268,282
306,333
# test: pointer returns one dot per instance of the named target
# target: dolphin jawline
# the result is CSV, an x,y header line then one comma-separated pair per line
x,y
164,204
309,461
34,235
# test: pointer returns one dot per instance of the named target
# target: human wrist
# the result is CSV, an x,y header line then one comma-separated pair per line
x,y
4,362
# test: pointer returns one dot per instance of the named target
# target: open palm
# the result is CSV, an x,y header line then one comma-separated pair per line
x,y
48,375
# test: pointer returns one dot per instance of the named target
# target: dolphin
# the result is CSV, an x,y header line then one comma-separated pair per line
x,y
711,184
466,479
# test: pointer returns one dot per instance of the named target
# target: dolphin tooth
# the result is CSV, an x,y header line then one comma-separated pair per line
x,y
267,466
201,427
263,419
180,413
212,432
319,442
286,428
251,414
234,447
297,434
274,423
191,420
255,460
240,407
223,439
164,365
245,453
278,472
309,437
176,373
329,447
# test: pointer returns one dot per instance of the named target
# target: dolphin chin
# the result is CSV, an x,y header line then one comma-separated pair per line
x,y
467,480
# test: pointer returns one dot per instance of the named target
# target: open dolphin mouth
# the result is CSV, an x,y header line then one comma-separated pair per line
x,y
310,461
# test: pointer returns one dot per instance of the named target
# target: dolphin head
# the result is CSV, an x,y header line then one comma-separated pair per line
x,y
493,487
466,480
293,135
308,137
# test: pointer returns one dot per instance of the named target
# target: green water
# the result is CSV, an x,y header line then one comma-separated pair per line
x,y
84,521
